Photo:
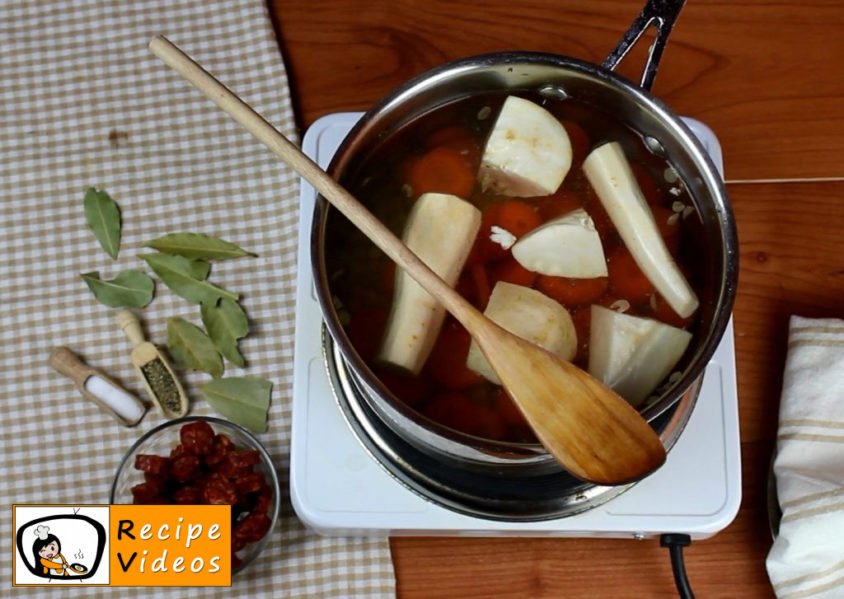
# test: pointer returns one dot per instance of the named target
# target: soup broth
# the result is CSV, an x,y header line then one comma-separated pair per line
x,y
441,152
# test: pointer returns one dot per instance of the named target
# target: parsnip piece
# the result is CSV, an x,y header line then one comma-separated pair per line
x,y
530,315
568,246
440,229
633,355
610,175
527,153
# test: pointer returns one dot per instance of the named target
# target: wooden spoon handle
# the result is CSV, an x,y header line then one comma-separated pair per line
x,y
373,228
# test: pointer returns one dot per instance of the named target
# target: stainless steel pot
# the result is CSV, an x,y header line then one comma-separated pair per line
x,y
598,87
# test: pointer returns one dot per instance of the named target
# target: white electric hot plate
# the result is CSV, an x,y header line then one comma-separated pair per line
x,y
338,486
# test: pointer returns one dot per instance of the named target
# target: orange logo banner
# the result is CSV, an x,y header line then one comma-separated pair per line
x,y
168,545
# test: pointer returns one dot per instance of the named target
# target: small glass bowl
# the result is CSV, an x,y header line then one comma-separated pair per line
x,y
164,437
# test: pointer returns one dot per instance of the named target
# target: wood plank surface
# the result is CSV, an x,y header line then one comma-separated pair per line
x,y
791,240
765,75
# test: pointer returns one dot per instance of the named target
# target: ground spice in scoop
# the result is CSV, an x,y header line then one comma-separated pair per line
x,y
162,384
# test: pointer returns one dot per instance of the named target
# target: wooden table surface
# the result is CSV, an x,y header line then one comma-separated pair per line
x,y
766,76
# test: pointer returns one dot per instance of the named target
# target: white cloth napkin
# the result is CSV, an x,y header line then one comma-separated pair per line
x,y
807,557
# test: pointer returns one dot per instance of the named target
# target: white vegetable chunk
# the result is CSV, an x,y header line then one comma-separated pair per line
x,y
527,153
633,355
440,229
530,315
568,246
610,175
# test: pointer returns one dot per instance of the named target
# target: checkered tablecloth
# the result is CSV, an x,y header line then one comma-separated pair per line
x,y
83,103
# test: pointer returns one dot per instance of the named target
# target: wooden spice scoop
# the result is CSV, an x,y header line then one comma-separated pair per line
x,y
124,407
153,369
594,433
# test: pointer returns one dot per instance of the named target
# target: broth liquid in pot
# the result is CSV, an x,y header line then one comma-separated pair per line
x,y
441,152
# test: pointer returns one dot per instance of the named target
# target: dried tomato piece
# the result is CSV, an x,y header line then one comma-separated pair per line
x,y
218,491
219,450
214,459
223,443
185,467
155,465
239,462
187,496
253,527
178,450
197,437
156,478
249,483
147,493
236,562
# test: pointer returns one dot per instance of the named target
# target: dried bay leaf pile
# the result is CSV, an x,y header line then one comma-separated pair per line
x,y
182,262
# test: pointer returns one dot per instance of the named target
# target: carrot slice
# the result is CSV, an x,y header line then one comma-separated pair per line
x,y
515,216
518,217
510,271
441,170
572,292
626,278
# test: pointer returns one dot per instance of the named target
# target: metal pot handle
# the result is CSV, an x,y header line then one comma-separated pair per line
x,y
660,14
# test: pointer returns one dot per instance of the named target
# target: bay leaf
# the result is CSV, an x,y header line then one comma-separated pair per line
x,y
195,269
244,400
192,348
103,217
226,322
186,278
197,245
129,289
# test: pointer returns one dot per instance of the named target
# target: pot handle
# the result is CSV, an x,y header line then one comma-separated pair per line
x,y
660,14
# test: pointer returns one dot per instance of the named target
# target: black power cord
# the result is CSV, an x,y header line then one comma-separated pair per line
x,y
675,543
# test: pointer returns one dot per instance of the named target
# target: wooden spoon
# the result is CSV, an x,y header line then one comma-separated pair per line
x,y
587,427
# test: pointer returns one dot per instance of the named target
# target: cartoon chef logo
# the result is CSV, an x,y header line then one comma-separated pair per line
x,y
64,547
47,552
